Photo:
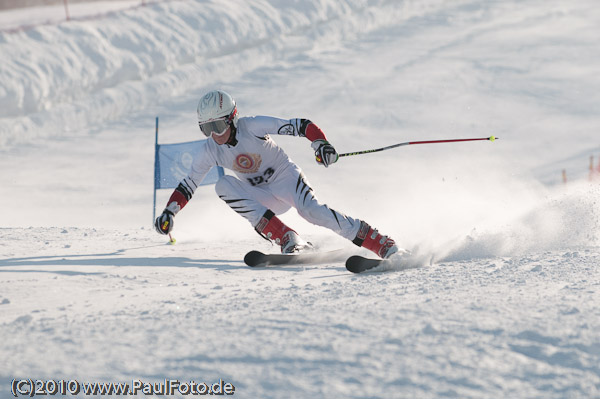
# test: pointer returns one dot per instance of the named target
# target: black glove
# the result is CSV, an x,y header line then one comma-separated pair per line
x,y
324,152
164,223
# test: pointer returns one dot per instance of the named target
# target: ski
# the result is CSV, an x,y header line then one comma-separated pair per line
x,y
360,264
259,259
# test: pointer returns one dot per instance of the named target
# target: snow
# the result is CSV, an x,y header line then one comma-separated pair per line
x,y
12,20
500,297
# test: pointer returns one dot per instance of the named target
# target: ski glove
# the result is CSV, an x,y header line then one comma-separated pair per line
x,y
324,152
164,223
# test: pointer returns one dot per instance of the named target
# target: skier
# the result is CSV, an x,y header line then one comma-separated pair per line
x,y
268,183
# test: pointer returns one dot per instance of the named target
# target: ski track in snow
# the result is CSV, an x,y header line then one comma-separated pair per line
x,y
499,299
117,306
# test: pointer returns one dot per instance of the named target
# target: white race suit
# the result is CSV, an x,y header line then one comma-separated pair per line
x,y
266,177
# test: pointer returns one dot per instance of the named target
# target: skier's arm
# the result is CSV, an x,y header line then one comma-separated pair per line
x,y
325,153
185,190
180,197
261,126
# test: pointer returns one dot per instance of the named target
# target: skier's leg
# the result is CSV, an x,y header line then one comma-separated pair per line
x,y
302,197
259,207
313,211
248,201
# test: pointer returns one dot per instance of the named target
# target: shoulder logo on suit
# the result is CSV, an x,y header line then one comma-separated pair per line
x,y
286,129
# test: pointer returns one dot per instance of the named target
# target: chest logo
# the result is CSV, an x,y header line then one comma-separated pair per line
x,y
247,163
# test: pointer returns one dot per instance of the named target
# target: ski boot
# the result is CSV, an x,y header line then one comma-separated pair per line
x,y
274,230
292,243
372,240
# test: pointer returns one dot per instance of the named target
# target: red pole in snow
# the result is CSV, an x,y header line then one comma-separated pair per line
x,y
67,9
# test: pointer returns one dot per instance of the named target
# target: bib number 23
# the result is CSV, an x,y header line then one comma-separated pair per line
x,y
256,180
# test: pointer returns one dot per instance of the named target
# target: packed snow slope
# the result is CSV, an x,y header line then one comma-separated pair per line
x,y
500,296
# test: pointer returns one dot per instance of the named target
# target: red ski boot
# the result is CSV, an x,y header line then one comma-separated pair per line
x,y
273,229
371,239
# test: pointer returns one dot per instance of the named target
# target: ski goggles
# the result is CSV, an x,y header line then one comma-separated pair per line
x,y
216,127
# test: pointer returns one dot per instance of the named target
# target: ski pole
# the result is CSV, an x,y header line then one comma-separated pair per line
x,y
172,240
491,138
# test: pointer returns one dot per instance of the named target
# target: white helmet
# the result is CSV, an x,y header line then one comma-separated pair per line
x,y
216,112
